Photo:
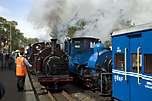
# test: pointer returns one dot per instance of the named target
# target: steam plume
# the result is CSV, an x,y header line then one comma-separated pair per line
x,y
101,16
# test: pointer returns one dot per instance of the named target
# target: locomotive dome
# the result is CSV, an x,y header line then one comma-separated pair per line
x,y
99,45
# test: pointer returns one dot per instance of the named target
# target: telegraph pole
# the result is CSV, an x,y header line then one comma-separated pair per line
x,y
10,38
12,23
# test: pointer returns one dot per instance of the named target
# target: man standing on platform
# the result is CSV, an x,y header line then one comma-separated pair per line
x,y
21,70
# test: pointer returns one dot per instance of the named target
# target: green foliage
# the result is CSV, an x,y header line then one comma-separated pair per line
x,y
13,36
79,25
108,43
71,31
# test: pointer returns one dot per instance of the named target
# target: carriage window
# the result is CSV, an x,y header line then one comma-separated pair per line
x,y
77,44
134,62
148,63
119,61
92,44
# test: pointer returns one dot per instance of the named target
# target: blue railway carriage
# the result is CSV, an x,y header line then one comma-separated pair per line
x,y
132,64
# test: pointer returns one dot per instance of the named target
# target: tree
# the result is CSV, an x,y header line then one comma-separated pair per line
x,y
108,43
79,25
71,31
14,37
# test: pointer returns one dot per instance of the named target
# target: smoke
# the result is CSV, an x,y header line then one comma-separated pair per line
x,y
101,16
141,11
47,15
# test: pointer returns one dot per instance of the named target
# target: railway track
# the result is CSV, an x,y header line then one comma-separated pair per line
x,y
39,91
61,96
42,94
32,84
69,93
86,95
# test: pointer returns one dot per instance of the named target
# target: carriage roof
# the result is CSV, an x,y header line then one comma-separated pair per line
x,y
133,29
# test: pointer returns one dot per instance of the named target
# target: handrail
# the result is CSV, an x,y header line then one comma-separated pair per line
x,y
101,86
125,64
138,63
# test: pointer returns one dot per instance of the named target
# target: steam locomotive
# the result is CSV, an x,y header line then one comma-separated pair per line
x,y
49,64
88,58
82,61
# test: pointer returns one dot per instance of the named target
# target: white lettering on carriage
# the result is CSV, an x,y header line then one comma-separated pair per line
x,y
148,85
118,49
118,78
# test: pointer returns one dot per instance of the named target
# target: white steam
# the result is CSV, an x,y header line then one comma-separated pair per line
x,y
101,16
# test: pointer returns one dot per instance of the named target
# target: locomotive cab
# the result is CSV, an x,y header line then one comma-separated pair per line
x,y
80,49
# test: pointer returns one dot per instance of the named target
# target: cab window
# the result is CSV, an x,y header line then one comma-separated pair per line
x,y
92,44
77,44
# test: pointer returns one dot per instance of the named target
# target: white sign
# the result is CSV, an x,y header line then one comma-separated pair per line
x,y
118,49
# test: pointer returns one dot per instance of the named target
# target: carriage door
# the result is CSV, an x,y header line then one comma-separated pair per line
x,y
135,66
119,72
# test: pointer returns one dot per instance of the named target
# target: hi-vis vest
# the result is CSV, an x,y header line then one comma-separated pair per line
x,y
20,66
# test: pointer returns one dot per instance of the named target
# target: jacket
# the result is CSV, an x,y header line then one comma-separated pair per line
x,y
20,66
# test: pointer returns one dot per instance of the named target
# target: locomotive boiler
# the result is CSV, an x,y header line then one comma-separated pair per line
x,y
99,68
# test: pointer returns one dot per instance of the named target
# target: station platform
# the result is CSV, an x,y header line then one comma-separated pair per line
x,y
9,81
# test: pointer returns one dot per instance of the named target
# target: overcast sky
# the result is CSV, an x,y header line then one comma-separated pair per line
x,y
18,10
46,13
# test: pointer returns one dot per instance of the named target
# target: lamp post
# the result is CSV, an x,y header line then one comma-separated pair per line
x,y
10,35
10,38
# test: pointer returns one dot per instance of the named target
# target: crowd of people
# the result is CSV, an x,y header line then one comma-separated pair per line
x,y
16,62
7,61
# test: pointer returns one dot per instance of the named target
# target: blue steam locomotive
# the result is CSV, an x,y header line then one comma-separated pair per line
x,y
87,59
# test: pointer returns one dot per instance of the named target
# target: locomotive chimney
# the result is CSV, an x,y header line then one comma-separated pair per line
x,y
53,41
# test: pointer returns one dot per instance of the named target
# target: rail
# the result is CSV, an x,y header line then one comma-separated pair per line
x,y
51,97
69,97
35,92
64,96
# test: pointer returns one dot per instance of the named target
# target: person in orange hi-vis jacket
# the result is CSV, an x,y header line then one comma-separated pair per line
x,y
21,70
